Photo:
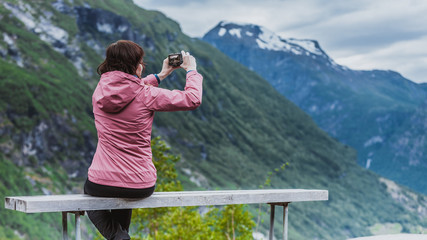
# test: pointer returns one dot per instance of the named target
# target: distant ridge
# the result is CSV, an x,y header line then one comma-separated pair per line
x,y
368,110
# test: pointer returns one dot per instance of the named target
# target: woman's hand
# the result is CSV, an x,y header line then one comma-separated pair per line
x,y
189,62
166,69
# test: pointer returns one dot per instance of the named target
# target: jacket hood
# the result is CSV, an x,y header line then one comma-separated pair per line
x,y
115,91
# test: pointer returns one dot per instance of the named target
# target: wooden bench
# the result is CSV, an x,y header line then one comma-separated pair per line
x,y
78,203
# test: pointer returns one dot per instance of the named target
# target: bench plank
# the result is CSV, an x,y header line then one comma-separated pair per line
x,y
81,202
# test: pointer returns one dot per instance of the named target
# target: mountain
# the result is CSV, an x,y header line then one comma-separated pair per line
x,y
407,144
243,131
367,110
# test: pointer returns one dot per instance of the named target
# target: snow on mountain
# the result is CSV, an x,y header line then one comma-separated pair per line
x,y
235,32
42,26
222,31
266,39
308,45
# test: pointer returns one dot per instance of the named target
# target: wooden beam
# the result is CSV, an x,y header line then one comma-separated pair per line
x,y
80,202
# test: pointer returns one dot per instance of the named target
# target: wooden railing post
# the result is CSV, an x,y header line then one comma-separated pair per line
x,y
271,234
77,224
64,226
285,220
78,234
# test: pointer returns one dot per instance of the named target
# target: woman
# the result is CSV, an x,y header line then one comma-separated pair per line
x,y
124,106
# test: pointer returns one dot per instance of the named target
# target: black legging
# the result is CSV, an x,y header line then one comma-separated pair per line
x,y
113,224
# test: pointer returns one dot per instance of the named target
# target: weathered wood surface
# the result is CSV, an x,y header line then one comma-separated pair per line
x,y
80,202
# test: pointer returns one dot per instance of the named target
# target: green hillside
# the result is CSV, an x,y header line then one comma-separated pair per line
x,y
243,130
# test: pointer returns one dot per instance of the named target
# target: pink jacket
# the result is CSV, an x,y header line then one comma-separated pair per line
x,y
124,107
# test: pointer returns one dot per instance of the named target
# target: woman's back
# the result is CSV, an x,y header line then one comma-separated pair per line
x,y
123,107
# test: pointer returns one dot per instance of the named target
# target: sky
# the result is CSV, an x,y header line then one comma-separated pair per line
x,y
359,34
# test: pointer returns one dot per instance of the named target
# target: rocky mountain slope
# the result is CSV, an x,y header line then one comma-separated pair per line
x,y
243,130
368,110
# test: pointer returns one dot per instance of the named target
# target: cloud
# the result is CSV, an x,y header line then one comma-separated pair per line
x,y
361,34
376,24
407,57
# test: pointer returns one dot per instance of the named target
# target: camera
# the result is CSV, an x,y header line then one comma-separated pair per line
x,y
175,59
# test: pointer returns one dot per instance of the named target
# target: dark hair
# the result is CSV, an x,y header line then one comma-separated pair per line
x,y
122,55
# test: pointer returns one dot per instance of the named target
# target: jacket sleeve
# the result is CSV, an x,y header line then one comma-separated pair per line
x,y
159,99
150,80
